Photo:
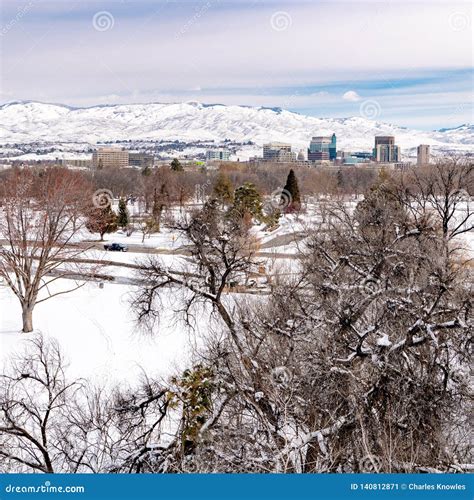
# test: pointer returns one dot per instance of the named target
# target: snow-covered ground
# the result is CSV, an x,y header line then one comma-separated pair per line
x,y
96,330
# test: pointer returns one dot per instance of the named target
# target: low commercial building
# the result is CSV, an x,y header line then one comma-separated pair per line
x,y
318,156
217,155
78,163
278,152
365,155
354,158
141,160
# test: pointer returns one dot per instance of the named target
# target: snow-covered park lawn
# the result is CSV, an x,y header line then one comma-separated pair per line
x,y
96,330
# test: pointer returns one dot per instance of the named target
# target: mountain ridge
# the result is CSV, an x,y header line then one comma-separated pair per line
x,y
33,121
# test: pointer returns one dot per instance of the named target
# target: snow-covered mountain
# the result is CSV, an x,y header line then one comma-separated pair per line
x,y
27,122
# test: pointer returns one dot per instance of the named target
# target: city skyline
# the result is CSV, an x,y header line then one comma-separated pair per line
x,y
301,56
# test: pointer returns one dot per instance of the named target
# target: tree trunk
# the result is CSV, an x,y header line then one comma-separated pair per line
x,y
27,316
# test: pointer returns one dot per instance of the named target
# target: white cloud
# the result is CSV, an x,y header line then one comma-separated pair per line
x,y
351,95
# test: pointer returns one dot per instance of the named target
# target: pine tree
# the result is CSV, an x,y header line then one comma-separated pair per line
x,y
223,190
290,196
146,172
248,202
123,216
272,217
176,165
100,164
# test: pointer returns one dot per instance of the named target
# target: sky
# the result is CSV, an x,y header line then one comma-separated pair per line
x,y
398,61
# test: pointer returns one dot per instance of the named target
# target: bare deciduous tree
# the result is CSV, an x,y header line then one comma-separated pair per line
x,y
38,223
355,364
34,402
443,192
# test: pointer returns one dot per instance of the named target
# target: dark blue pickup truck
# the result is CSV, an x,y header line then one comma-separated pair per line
x,y
116,247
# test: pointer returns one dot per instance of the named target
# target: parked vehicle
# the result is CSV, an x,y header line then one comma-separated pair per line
x,y
116,247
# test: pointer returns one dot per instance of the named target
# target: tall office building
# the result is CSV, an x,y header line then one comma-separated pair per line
x,y
322,148
332,148
278,151
385,150
110,158
422,154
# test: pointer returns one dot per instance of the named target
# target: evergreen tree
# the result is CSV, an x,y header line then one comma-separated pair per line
x,y
272,217
176,165
146,171
100,164
340,179
123,215
248,202
290,197
223,190
194,391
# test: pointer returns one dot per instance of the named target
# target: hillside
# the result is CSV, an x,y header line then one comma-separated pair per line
x,y
34,122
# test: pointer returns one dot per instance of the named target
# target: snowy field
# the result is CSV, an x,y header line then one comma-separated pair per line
x,y
96,330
